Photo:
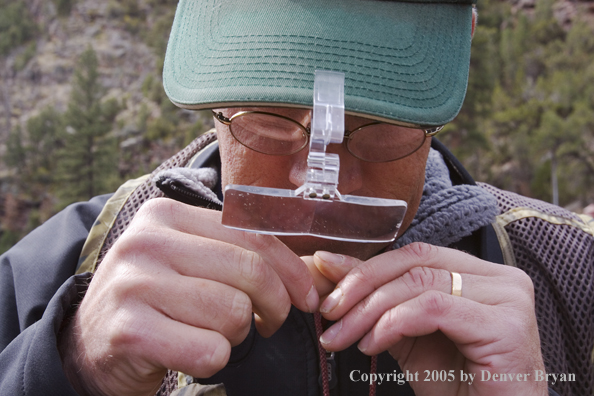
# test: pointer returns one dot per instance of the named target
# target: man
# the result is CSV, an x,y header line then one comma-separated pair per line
x,y
176,290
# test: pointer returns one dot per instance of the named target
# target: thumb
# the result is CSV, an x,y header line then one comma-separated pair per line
x,y
334,266
322,284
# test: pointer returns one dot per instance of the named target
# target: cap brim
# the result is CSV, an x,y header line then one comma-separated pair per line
x,y
402,61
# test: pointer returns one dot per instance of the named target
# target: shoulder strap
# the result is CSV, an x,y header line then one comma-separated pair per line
x,y
104,222
458,174
491,249
123,205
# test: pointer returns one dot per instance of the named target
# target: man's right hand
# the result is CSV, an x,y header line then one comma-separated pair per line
x,y
176,291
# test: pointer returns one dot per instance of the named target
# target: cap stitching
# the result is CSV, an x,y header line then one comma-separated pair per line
x,y
363,67
384,78
381,112
212,19
360,88
354,57
308,86
208,32
350,64
376,46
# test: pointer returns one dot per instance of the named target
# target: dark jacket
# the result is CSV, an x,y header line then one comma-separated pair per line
x,y
37,289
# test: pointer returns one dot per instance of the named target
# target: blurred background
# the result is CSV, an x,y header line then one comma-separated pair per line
x,y
82,107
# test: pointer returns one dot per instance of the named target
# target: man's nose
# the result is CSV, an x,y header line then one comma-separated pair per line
x,y
350,177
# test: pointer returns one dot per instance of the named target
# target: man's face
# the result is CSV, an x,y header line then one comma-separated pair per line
x,y
401,179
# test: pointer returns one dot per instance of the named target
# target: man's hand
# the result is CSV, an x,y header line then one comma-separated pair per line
x,y
176,291
400,301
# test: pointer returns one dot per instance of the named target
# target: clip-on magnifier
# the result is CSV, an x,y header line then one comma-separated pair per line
x,y
316,208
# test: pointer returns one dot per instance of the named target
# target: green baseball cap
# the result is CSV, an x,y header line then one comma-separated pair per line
x,y
404,61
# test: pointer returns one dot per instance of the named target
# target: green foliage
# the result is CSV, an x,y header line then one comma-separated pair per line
x,y
160,129
32,153
153,89
23,58
16,25
530,98
61,157
43,143
15,155
130,12
158,34
64,6
89,155
7,239
465,135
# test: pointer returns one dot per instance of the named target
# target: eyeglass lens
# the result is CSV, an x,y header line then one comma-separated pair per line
x,y
268,134
384,142
271,134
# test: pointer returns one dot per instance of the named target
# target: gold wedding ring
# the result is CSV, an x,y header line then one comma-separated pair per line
x,y
456,284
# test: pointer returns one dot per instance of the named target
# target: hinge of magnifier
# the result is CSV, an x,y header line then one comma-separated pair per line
x,y
327,127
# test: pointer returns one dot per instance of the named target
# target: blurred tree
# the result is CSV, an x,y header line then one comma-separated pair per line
x,y
88,159
16,25
64,6
539,120
15,156
466,136
32,153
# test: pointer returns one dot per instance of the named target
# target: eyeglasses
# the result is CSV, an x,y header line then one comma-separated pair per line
x,y
274,134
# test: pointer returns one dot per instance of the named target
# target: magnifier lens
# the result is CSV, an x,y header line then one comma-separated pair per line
x,y
283,212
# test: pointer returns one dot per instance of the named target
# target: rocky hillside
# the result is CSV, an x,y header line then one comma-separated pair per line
x,y
44,80
565,10
128,38
41,43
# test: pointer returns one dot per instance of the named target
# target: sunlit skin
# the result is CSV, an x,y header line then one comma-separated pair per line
x,y
401,179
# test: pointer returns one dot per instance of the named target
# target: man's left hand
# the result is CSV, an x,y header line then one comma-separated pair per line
x,y
401,301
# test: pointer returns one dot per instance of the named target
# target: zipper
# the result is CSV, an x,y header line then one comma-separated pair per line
x,y
329,357
180,193
331,366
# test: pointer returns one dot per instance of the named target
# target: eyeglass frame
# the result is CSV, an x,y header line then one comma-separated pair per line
x,y
429,132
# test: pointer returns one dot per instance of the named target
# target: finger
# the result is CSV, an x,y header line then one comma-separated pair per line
x,y
323,285
463,321
413,352
334,266
241,269
207,223
177,346
216,261
372,274
205,304
130,351
359,320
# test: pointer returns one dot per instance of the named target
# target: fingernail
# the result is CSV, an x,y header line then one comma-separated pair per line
x,y
312,300
331,301
331,333
363,344
331,258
